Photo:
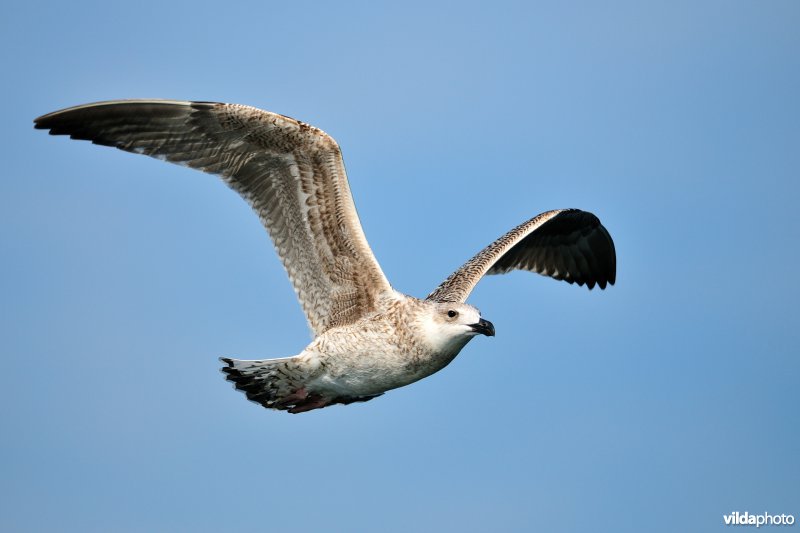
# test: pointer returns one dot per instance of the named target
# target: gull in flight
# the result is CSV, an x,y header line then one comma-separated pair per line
x,y
368,337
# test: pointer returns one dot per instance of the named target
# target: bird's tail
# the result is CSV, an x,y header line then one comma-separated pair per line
x,y
273,383
282,384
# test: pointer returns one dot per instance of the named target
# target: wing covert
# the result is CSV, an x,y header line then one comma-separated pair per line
x,y
291,174
565,244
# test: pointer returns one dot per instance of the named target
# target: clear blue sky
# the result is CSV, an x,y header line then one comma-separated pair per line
x,y
658,405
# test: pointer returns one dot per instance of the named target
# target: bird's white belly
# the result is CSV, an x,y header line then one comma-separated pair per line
x,y
362,363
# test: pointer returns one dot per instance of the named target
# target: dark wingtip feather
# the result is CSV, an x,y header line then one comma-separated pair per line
x,y
41,122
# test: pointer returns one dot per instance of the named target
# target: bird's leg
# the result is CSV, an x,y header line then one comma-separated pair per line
x,y
313,401
296,397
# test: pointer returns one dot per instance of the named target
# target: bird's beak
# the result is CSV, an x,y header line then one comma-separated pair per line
x,y
483,326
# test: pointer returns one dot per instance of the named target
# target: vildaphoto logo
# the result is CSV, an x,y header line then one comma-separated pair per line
x,y
746,519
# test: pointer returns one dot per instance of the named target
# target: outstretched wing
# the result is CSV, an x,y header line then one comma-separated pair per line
x,y
566,244
290,173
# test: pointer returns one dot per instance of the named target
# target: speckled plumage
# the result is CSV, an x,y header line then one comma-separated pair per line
x,y
565,244
369,338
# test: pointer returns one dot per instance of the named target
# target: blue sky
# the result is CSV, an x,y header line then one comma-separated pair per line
x,y
660,404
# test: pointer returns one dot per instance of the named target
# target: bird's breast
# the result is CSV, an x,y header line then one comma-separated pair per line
x,y
370,358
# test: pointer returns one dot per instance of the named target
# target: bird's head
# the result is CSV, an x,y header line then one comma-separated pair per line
x,y
451,325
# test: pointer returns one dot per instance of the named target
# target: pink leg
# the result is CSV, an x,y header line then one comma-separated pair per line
x,y
311,402
296,397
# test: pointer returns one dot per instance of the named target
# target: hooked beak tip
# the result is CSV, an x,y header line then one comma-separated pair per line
x,y
483,327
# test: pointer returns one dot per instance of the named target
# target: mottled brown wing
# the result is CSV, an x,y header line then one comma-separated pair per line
x,y
566,244
290,173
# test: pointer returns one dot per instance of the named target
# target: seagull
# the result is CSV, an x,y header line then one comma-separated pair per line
x,y
368,337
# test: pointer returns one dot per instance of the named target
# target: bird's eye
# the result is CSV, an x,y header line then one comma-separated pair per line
x,y
452,314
